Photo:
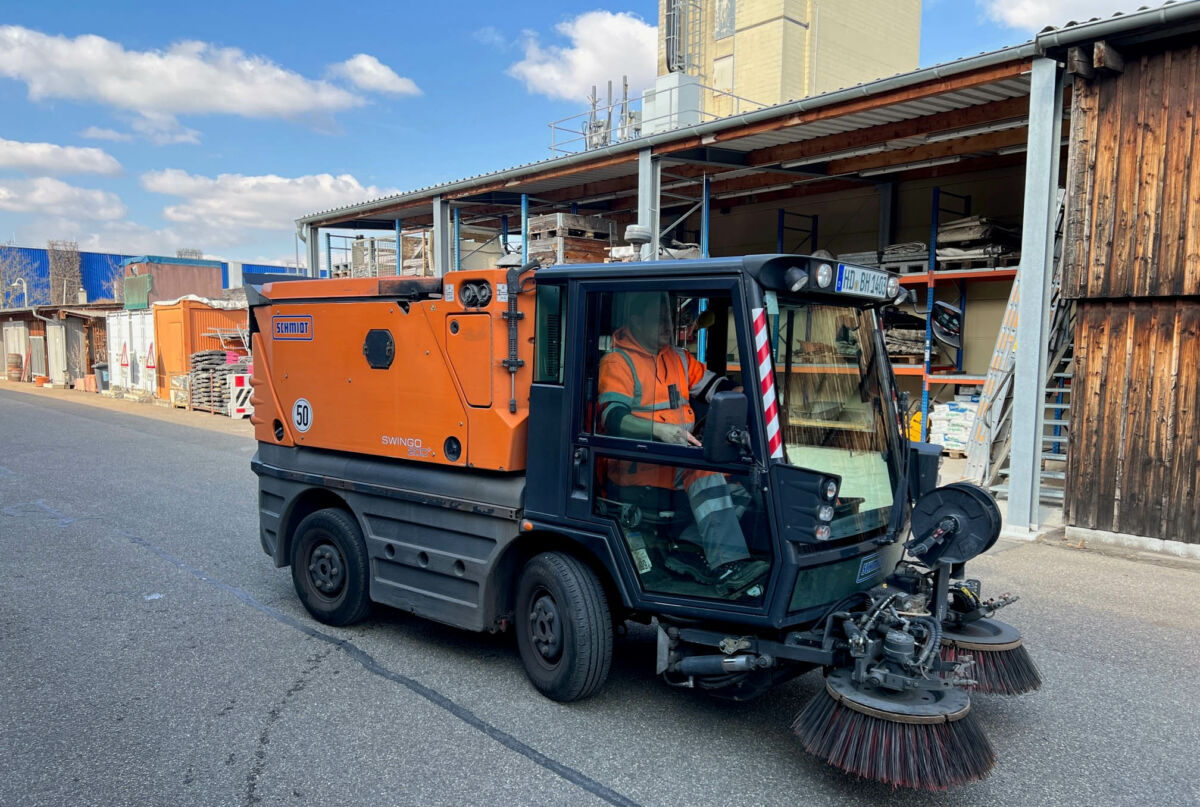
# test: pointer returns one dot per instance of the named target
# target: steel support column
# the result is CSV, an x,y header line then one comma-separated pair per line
x,y
887,201
400,250
524,228
328,255
457,240
649,206
312,249
441,236
1036,273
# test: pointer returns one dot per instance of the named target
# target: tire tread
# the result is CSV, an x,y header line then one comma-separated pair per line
x,y
584,593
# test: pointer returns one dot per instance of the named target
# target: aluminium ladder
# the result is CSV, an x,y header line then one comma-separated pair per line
x,y
989,443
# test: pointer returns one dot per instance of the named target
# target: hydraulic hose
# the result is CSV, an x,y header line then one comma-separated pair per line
x,y
933,642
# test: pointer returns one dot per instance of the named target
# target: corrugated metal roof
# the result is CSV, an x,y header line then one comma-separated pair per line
x,y
1145,15
523,177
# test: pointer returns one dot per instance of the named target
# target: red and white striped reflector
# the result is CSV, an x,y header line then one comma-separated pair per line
x,y
766,376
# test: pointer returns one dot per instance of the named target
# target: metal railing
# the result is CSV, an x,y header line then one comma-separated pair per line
x,y
623,121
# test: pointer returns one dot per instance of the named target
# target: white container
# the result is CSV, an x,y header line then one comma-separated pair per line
x,y
131,352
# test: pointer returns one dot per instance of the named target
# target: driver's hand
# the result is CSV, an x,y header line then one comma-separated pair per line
x,y
676,435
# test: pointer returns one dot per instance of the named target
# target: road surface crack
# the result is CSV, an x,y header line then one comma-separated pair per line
x,y
273,715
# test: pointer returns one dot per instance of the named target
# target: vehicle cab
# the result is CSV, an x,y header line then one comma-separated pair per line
x,y
706,410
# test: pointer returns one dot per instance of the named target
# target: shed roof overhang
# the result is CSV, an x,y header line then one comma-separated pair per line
x,y
908,123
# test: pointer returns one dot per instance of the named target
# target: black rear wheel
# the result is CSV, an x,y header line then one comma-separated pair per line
x,y
330,568
564,629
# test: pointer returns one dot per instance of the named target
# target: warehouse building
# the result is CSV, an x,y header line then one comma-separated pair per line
x,y
1043,194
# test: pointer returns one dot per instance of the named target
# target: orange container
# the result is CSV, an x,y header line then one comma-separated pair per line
x,y
180,329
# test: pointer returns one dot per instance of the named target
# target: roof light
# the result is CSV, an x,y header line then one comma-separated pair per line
x,y
795,279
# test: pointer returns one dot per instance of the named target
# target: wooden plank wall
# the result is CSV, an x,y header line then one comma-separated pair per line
x,y
1134,453
1132,262
1133,202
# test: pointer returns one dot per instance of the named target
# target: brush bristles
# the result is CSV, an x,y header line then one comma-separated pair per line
x,y
930,756
998,672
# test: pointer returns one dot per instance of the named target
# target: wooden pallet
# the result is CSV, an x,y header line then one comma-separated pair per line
x,y
552,251
571,225
966,264
906,358
598,235
914,267
954,453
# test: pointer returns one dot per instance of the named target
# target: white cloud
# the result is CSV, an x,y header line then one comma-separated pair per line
x,y
45,196
490,36
265,202
123,237
1034,15
220,215
162,130
368,73
100,133
48,158
186,78
126,238
604,46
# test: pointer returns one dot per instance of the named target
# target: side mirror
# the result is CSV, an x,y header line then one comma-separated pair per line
x,y
725,427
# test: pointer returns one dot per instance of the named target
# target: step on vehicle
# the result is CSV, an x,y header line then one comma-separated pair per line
x,y
710,447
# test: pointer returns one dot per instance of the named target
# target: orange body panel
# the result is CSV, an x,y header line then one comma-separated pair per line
x,y
179,331
446,379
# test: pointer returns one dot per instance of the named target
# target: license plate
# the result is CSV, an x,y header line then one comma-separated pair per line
x,y
862,281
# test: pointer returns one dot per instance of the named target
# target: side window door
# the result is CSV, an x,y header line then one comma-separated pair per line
x,y
653,357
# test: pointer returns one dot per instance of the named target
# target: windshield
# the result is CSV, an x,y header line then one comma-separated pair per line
x,y
831,405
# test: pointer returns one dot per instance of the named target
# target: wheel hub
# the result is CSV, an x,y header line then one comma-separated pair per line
x,y
326,569
545,627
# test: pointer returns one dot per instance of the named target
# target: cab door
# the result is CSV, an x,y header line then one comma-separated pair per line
x,y
653,353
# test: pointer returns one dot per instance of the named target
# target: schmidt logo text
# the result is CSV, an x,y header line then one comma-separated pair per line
x,y
292,328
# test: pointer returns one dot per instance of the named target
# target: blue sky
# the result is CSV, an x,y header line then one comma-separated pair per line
x,y
213,125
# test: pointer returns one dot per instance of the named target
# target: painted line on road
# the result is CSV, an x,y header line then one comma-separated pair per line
x,y
40,506
368,662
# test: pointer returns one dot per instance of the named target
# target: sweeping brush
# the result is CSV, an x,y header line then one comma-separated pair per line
x,y
923,752
1004,669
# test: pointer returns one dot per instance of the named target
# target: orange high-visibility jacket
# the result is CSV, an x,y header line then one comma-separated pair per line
x,y
654,387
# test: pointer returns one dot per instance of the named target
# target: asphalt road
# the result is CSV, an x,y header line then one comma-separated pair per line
x,y
151,654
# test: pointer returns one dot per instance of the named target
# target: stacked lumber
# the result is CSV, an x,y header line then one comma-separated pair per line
x,y
902,343
208,379
860,258
907,257
977,239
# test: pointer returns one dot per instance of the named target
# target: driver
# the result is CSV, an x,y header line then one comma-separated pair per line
x,y
646,385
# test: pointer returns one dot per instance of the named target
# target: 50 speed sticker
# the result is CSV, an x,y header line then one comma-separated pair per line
x,y
302,415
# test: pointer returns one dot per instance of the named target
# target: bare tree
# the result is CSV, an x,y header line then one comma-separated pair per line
x,y
114,282
65,280
15,266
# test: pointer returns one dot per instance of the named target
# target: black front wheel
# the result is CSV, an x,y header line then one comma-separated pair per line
x,y
330,568
564,629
